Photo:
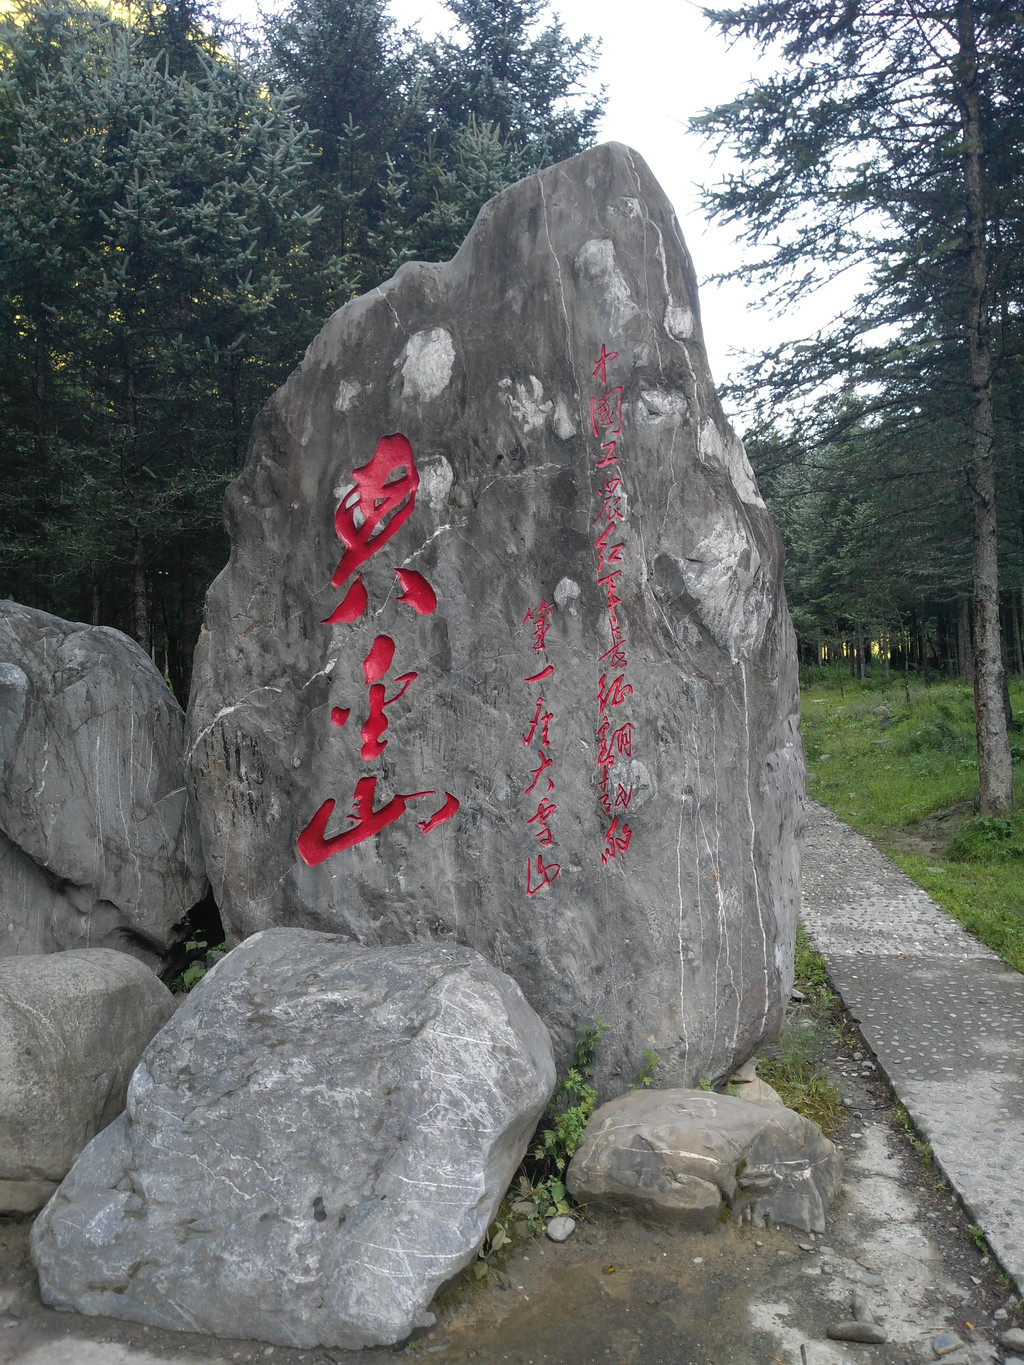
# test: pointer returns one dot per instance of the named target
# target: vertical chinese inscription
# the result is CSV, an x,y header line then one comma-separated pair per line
x,y
537,739
614,734
381,500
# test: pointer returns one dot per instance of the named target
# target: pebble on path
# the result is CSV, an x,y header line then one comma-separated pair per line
x,y
1013,1340
945,1343
868,1332
861,1310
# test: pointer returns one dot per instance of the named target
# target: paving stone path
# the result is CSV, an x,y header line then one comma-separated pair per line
x,y
942,1014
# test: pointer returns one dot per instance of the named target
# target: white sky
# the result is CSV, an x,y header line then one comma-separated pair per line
x,y
661,63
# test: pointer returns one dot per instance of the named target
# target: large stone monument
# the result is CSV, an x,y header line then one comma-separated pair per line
x,y
502,655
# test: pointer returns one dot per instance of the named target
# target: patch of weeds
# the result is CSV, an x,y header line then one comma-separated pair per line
x,y
648,1067
988,839
792,1066
539,1190
904,1122
203,958
795,1064
809,964
704,1084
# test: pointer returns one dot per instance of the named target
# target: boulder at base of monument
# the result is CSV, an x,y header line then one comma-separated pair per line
x,y
98,842
685,1155
316,1141
73,1026
502,654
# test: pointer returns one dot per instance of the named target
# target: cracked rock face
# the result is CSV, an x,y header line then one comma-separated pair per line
x,y
684,1155
99,842
315,1142
501,655
72,1028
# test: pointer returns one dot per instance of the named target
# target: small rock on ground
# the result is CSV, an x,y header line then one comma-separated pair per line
x,y
1013,1340
868,1332
559,1229
945,1343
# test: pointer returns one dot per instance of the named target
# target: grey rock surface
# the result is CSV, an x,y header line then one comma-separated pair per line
x,y
73,1026
317,1141
570,601
98,843
682,1154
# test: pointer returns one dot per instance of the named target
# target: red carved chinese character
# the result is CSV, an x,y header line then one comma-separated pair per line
x,y
377,721
540,616
610,456
610,742
384,500
605,757
543,813
611,508
603,360
545,875
614,694
624,796
608,554
606,413
315,847
616,653
616,841
545,762
609,582
542,721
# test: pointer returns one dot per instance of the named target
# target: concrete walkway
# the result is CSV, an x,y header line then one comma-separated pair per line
x,y
942,1014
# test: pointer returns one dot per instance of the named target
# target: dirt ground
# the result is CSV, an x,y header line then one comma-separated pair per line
x,y
627,1292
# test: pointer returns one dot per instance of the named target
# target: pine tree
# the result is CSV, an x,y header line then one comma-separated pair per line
x,y
890,138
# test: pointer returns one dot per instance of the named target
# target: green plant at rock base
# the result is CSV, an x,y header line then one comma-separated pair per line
x,y
704,1084
197,969
539,1191
795,1064
575,1099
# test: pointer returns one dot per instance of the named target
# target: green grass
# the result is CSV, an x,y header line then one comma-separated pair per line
x,y
904,773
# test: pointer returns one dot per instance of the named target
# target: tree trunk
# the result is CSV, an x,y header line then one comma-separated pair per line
x,y
140,601
188,624
963,641
995,771
1018,656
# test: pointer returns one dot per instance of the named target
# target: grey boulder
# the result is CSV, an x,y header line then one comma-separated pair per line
x,y
316,1142
686,1155
73,1026
98,842
502,654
